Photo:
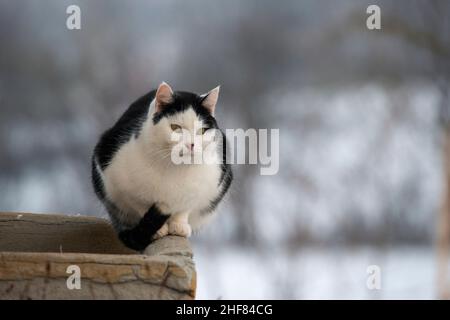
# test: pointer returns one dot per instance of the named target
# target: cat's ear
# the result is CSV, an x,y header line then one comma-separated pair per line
x,y
209,100
164,95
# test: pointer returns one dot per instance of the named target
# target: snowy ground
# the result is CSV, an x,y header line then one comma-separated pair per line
x,y
312,273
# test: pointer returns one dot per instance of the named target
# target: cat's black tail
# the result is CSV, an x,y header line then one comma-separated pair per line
x,y
139,237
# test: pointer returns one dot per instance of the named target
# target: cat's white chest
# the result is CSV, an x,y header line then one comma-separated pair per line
x,y
192,187
134,183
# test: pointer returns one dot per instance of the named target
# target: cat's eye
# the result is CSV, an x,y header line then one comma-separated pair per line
x,y
203,130
175,127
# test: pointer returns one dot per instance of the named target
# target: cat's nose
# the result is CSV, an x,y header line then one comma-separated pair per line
x,y
190,146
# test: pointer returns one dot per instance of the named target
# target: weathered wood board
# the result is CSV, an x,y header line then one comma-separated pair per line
x,y
36,251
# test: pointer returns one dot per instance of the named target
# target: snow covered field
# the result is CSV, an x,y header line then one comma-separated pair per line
x,y
315,273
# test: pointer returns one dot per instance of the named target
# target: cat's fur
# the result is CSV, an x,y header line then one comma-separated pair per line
x,y
146,194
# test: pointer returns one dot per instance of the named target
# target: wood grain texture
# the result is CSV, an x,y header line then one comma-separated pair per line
x,y
33,266
27,232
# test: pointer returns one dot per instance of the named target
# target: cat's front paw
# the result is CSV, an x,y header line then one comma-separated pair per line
x,y
162,232
180,229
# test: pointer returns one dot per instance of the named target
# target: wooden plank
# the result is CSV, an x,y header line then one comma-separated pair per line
x,y
33,267
27,232
44,276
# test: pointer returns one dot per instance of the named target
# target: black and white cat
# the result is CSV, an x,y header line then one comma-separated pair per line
x,y
146,194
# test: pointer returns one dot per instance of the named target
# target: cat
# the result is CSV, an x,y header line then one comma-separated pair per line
x,y
147,194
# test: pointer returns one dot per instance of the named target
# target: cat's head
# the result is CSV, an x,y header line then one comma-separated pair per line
x,y
184,120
